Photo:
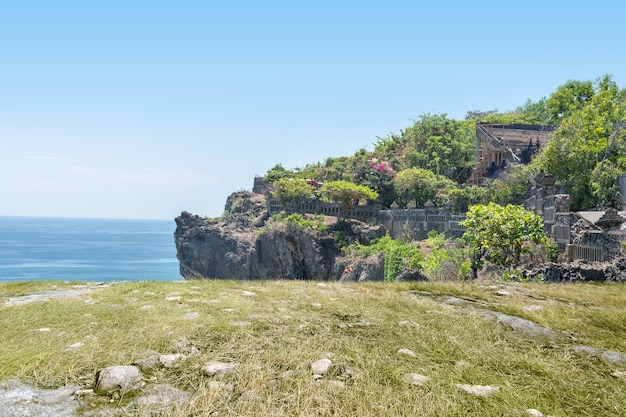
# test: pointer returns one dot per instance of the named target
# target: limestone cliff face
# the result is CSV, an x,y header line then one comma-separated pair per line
x,y
246,246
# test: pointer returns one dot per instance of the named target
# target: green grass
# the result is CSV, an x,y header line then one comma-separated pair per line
x,y
293,323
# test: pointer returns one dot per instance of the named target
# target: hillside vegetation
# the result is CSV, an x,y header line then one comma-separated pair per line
x,y
431,159
429,162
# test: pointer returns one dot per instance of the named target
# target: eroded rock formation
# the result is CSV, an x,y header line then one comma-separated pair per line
x,y
246,245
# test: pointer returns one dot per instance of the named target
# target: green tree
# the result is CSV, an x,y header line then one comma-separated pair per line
x,y
464,196
274,173
291,190
590,140
346,193
568,98
420,185
500,234
379,176
531,112
435,142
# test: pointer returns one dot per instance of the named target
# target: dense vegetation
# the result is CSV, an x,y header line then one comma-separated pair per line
x,y
431,160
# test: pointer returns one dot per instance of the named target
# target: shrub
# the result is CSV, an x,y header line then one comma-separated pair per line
x,y
446,264
397,254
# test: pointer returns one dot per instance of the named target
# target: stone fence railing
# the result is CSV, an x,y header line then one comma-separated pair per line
x,y
416,223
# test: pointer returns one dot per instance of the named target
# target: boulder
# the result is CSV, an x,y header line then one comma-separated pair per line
x,y
118,380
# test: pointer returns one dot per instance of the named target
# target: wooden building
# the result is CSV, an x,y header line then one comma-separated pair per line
x,y
500,144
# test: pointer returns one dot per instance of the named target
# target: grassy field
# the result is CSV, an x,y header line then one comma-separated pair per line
x,y
274,330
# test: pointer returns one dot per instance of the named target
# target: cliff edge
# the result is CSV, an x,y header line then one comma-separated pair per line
x,y
248,245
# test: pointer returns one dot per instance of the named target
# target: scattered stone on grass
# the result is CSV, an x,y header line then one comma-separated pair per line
x,y
248,294
407,352
331,384
185,346
190,316
158,399
502,293
168,360
218,368
609,356
478,390
321,366
532,308
415,379
174,298
148,365
74,346
316,306
222,387
534,413
146,307
118,379
240,323
408,323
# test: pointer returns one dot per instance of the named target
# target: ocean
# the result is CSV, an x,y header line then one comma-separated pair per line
x,y
95,250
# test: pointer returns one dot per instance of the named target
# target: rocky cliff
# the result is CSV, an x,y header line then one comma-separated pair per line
x,y
247,245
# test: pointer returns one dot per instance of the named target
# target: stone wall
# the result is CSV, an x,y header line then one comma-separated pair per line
x,y
554,208
577,237
590,243
416,223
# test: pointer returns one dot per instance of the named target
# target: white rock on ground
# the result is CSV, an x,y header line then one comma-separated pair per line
x,y
170,359
190,316
415,379
407,352
534,413
218,368
478,390
118,379
320,367
408,323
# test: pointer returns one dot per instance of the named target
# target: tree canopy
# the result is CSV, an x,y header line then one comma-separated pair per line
x,y
500,234
346,193
588,149
586,153
291,190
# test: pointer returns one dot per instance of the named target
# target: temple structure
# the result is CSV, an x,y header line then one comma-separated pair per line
x,y
500,144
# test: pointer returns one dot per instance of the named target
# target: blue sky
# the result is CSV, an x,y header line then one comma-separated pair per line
x,y
143,109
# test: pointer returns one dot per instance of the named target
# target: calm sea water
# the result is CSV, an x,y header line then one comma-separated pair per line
x,y
33,248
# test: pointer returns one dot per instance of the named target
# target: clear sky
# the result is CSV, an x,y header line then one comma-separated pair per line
x,y
143,109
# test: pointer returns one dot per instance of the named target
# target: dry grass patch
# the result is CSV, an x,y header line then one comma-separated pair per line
x,y
274,330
